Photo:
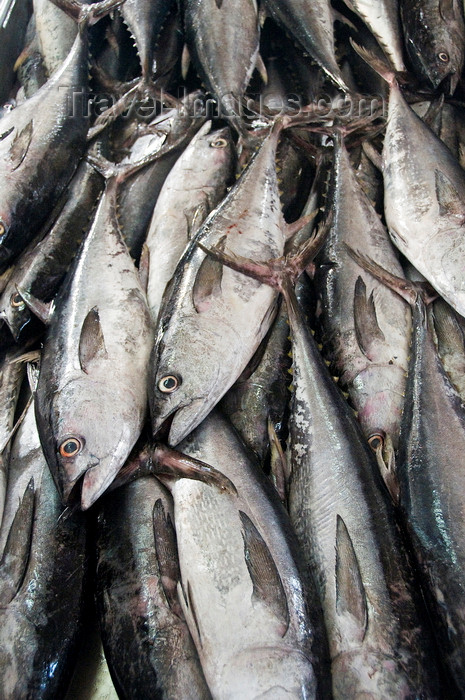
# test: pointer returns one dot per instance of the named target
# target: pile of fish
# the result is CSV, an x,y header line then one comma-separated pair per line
x,y
232,344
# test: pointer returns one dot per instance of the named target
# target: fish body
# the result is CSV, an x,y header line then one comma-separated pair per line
x,y
311,25
14,17
41,142
42,267
213,319
91,394
42,575
194,186
435,37
145,20
225,60
241,588
383,19
146,639
379,646
431,477
424,195
366,327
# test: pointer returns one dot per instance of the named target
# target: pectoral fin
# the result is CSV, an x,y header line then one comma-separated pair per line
x,y
20,146
448,198
207,284
91,342
267,585
167,555
350,593
367,329
18,546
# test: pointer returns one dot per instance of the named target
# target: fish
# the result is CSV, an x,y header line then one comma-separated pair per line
x,y
56,34
383,20
43,582
261,394
94,365
213,319
194,186
41,143
43,265
145,20
423,195
366,328
14,18
379,643
241,588
449,328
434,37
11,377
138,195
145,636
311,26
225,60
429,469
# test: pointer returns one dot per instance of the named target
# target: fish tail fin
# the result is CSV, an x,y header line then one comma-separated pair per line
x,y
377,64
405,288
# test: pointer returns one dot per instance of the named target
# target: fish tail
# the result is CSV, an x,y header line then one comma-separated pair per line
x,y
379,66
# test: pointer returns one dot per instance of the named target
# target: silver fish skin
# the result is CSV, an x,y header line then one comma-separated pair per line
x,y
138,195
366,327
223,39
144,20
241,589
146,639
41,143
213,319
424,197
92,389
449,329
42,577
382,17
311,25
435,39
432,484
43,265
379,646
262,393
194,186
11,376
56,33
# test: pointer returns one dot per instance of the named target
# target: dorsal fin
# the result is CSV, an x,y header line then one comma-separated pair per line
x,y
367,330
17,548
208,280
350,593
91,342
267,585
20,146
167,555
448,198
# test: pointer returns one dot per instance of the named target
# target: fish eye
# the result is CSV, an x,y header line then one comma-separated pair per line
x,y
17,301
376,440
219,143
2,228
70,447
168,384
443,57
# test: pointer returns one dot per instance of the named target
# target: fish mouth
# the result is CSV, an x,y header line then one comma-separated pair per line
x,y
186,419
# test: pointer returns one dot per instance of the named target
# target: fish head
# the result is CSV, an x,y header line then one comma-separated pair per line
x,y
439,54
187,379
213,148
14,311
88,437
